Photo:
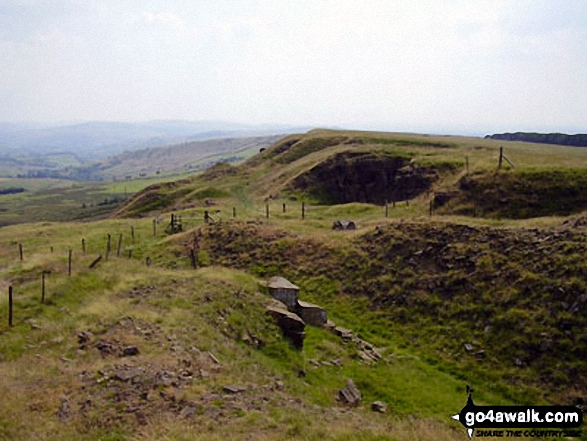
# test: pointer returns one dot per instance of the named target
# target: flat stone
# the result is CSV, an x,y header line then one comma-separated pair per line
x,y
350,394
232,389
379,406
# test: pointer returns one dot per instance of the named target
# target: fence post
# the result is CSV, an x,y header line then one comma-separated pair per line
x,y
500,157
467,164
303,210
130,254
148,261
20,253
119,245
234,212
43,274
69,264
267,210
84,245
132,233
284,208
108,247
10,306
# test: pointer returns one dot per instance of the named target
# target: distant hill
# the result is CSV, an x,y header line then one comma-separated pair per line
x,y
195,155
99,139
579,140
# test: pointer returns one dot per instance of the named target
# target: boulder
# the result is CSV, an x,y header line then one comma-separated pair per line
x,y
311,314
350,394
291,325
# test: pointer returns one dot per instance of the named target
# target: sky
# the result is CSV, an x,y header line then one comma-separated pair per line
x,y
444,66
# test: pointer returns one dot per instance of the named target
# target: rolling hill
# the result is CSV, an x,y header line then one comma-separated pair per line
x,y
457,274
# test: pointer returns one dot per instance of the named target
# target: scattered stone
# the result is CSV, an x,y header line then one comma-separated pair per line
x,y
469,347
64,412
213,358
345,334
279,385
83,338
127,374
344,225
234,389
130,351
379,406
36,327
187,412
65,360
350,394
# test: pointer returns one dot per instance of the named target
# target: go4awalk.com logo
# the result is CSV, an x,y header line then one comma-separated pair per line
x,y
519,421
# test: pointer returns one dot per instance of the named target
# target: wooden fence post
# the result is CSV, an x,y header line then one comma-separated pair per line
x,y
130,254
234,212
303,210
148,261
10,306
108,247
284,208
51,250
69,263
20,252
500,161
267,210
119,245
132,233
467,164
43,274
84,245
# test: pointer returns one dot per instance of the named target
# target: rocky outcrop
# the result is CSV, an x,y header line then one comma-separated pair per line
x,y
291,325
371,177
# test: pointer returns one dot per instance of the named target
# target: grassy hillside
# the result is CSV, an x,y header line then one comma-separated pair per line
x,y
125,351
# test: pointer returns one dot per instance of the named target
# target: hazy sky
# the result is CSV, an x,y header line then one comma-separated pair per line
x,y
466,66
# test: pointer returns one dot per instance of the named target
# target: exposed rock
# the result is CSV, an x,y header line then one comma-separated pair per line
x,y
344,225
311,314
291,324
283,290
379,406
350,394
234,389
130,351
